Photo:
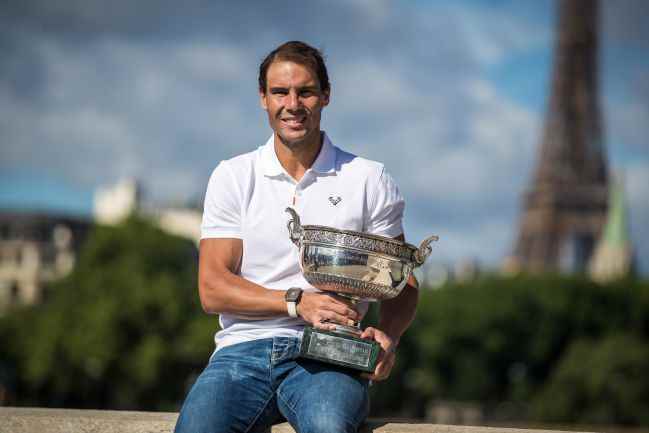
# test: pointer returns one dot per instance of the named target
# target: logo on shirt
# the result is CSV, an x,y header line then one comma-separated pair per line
x,y
334,200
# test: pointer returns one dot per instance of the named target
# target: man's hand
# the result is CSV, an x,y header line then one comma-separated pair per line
x,y
386,357
325,310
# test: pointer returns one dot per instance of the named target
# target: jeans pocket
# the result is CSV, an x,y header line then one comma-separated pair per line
x,y
284,348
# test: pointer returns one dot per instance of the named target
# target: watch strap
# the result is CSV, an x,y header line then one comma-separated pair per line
x,y
292,309
292,297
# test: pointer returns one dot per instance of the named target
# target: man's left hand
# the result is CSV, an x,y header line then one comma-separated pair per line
x,y
386,357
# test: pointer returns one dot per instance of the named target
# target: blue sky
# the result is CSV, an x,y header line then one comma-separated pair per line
x,y
450,95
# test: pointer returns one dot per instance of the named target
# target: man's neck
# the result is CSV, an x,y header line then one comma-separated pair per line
x,y
296,160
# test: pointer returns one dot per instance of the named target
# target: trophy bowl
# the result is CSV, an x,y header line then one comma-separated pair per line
x,y
357,266
354,264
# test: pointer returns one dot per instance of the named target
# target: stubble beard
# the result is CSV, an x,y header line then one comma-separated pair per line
x,y
302,142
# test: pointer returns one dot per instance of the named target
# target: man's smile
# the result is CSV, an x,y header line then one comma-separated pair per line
x,y
294,122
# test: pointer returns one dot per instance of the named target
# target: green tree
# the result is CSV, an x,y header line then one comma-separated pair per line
x,y
501,341
598,381
124,330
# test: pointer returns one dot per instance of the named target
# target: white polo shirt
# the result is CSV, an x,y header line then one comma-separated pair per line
x,y
246,199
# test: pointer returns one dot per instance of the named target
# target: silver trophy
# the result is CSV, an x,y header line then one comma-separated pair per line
x,y
357,266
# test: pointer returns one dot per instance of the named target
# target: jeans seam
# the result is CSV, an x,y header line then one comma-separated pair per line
x,y
271,363
254,420
272,393
290,407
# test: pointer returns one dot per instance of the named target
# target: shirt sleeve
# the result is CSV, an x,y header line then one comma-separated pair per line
x,y
385,213
222,207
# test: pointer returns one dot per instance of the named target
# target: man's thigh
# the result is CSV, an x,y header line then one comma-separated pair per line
x,y
316,397
232,393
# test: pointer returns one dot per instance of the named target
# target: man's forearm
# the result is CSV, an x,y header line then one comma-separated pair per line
x,y
397,313
232,294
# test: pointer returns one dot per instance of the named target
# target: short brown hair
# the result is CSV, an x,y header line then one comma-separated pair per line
x,y
300,53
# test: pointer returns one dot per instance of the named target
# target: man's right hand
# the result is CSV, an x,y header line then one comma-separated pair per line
x,y
326,310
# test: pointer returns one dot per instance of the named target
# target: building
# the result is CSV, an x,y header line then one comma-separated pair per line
x,y
114,203
564,209
35,248
39,247
613,256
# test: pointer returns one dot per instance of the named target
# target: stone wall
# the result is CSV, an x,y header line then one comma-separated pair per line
x,y
37,420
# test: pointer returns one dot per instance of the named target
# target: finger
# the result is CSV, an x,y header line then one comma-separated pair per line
x,y
344,312
373,377
325,324
386,342
368,333
330,323
337,318
386,365
341,299
380,337
344,306
342,309
383,368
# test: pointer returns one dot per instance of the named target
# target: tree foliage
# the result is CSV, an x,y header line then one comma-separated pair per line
x,y
555,348
123,330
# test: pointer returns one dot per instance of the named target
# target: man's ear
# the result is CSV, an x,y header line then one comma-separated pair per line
x,y
325,97
262,100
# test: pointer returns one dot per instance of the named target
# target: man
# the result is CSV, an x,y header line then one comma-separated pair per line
x,y
247,264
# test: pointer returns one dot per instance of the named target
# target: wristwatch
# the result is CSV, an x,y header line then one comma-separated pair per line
x,y
292,298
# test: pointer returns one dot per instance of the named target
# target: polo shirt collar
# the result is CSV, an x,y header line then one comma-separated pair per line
x,y
325,162
269,160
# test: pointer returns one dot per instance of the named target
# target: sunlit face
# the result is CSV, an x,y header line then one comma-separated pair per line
x,y
294,102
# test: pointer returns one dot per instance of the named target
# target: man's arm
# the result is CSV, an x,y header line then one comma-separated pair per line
x,y
395,316
223,290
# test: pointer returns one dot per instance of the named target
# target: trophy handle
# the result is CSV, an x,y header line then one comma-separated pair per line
x,y
424,250
294,227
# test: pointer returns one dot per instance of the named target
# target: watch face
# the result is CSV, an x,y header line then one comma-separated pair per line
x,y
293,294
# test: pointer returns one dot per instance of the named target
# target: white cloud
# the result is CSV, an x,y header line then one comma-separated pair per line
x,y
409,89
375,12
119,108
460,151
210,61
493,35
494,142
366,84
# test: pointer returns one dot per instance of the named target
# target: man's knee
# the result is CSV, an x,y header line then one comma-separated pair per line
x,y
325,422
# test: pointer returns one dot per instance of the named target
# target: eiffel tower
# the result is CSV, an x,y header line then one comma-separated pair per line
x,y
564,210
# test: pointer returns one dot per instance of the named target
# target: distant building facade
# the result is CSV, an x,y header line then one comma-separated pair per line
x,y
183,222
38,247
35,248
614,256
114,203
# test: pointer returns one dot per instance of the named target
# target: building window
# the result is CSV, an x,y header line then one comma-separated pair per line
x,y
14,293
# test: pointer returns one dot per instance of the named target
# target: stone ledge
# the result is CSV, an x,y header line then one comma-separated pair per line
x,y
38,420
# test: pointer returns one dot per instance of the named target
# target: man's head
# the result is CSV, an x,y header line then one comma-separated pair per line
x,y
300,53
293,89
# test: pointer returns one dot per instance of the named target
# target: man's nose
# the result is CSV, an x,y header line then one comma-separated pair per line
x,y
293,101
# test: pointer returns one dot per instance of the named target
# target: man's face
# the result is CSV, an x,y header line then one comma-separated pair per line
x,y
294,102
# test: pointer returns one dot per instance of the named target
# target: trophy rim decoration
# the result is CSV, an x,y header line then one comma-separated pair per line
x,y
387,248
408,249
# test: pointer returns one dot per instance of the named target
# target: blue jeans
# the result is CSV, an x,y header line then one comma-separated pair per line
x,y
250,386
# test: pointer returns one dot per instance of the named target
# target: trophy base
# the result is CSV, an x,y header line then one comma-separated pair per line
x,y
340,349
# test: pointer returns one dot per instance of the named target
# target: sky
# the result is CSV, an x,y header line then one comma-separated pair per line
x,y
449,95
